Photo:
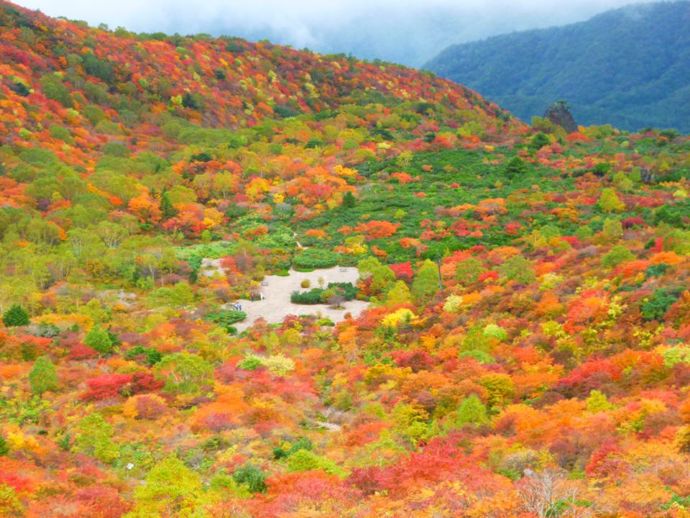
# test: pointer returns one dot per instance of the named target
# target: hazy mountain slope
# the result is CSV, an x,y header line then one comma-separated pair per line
x,y
410,32
629,67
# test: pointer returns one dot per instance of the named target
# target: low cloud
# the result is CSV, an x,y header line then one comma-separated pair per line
x,y
407,31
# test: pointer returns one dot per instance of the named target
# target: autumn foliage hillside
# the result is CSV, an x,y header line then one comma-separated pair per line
x,y
526,348
111,83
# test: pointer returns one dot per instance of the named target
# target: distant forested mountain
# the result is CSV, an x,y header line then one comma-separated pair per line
x,y
629,67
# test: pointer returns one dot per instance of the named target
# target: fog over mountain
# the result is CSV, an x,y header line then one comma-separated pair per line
x,y
405,31
628,67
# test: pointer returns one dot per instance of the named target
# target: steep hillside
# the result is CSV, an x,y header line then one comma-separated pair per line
x,y
522,346
83,77
628,67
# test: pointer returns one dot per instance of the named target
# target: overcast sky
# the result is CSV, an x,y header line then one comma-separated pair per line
x,y
406,31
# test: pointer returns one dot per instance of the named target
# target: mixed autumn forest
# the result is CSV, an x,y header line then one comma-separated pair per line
x,y
525,350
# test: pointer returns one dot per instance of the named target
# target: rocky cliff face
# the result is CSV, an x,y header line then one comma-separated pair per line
x,y
559,114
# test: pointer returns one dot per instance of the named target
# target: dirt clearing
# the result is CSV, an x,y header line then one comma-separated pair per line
x,y
276,291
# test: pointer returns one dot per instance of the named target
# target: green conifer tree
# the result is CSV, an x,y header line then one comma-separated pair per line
x,y
4,448
349,200
167,209
15,316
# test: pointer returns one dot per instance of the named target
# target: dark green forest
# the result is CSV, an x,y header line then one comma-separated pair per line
x,y
628,67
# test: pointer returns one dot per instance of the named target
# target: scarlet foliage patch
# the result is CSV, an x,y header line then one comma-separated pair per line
x,y
402,271
106,386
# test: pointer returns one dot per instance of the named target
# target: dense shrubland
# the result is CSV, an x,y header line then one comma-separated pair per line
x,y
526,352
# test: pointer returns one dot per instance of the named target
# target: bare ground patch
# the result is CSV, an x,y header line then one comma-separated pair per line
x,y
276,290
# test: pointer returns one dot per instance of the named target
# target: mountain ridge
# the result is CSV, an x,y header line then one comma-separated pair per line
x,y
220,89
627,67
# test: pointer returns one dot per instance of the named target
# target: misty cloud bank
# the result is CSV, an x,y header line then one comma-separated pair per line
x,y
404,31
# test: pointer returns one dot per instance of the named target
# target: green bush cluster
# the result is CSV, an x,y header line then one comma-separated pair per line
x,y
302,443
226,318
150,355
313,258
656,306
15,316
43,376
618,254
251,476
100,340
323,295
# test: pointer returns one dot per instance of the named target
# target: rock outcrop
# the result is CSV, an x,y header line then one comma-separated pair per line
x,y
559,114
